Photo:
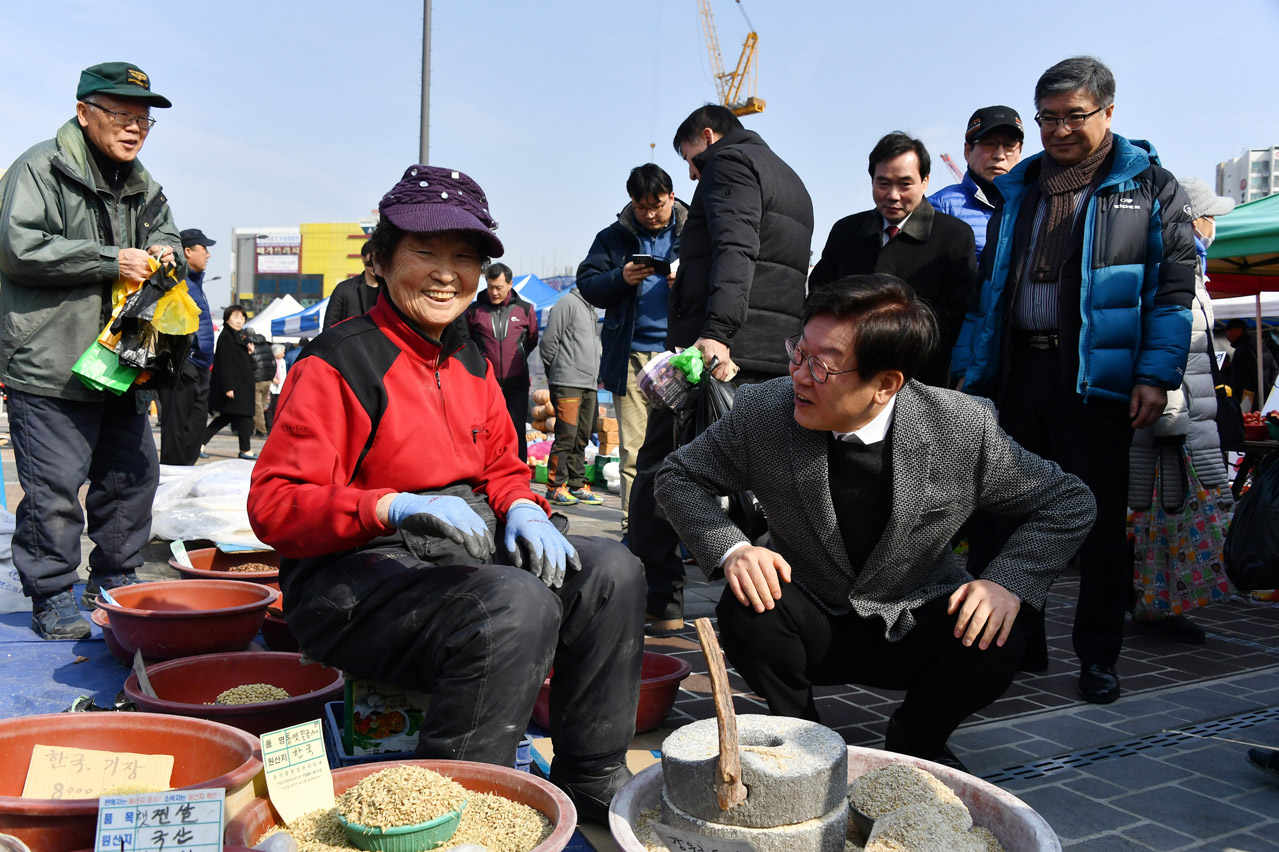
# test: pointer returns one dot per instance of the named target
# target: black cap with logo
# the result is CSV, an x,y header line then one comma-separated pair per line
x,y
988,119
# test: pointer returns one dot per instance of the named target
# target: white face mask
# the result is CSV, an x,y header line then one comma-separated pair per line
x,y
1207,239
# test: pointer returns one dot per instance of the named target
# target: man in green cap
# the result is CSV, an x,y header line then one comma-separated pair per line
x,y
78,212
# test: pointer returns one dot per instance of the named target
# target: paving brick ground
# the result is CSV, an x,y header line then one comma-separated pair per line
x,y
1161,769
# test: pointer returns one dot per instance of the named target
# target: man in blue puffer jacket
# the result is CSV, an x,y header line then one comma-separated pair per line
x,y
634,297
1084,324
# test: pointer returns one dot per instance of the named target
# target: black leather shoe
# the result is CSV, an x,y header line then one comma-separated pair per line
x,y
591,792
1098,684
1267,760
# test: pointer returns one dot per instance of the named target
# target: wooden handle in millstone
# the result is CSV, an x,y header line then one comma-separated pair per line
x,y
728,780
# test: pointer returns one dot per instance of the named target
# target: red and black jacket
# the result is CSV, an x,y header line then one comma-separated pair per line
x,y
375,407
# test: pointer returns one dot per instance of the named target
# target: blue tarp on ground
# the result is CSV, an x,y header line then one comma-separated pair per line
x,y
306,322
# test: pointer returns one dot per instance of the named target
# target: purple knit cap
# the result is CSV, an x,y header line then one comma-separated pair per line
x,y
429,199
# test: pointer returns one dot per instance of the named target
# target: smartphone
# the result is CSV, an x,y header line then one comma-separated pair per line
x,y
661,267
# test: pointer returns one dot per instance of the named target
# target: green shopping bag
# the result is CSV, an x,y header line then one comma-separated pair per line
x,y
100,369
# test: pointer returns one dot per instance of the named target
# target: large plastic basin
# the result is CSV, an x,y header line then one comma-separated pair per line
x,y
1018,826
182,618
209,563
660,677
205,755
247,828
183,687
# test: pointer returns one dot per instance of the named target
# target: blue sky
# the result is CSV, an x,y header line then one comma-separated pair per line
x,y
288,112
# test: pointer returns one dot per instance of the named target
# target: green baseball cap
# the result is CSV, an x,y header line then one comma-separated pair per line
x,y
121,79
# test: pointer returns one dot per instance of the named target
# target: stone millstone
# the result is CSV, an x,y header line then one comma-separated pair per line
x,y
794,771
824,834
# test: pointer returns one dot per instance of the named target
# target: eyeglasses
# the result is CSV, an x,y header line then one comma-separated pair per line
x,y
124,119
990,146
1074,121
816,366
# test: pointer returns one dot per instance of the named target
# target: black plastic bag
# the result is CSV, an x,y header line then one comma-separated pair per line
x,y
163,356
1252,542
710,400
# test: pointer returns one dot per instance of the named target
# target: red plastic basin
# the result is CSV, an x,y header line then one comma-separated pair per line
x,y
205,755
247,827
183,686
660,677
209,563
100,618
182,618
275,630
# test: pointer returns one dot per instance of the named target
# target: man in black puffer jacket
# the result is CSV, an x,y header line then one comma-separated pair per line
x,y
737,296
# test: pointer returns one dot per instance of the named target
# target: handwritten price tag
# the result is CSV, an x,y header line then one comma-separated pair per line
x,y
297,770
177,821
56,772
678,840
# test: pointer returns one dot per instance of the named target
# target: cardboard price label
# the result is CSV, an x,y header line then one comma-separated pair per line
x,y
177,821
57,772
678,840
297,770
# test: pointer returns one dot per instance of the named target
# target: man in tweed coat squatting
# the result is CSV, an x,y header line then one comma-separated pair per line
x,y
865,476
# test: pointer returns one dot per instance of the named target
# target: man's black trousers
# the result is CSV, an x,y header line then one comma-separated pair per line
x,y
480,639
58,444
783,652
1047,416
515,390
184,413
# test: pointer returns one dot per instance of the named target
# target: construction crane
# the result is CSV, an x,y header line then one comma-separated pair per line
x,y
731,85
959,176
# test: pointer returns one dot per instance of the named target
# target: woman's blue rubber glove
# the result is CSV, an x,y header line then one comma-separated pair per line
x,y
445,516
549,553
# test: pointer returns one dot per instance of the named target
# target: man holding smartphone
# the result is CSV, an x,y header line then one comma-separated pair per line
x,y
628,272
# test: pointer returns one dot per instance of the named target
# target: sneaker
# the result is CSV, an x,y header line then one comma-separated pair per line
x,y
56,617
560,496
89,600
591,792
587,496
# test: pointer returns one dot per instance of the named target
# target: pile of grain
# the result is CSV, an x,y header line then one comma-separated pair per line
x,y
248,567
251,693
915,812
401,795
494,822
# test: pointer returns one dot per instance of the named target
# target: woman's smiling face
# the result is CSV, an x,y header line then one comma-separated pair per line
x,y
433,277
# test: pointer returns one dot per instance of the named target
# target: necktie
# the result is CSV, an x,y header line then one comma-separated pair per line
x,y
892,231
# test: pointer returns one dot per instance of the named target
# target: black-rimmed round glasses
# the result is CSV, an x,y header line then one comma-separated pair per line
x,y
816,367
124,119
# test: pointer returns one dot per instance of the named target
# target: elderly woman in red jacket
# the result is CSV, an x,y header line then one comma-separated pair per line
x,y
413,550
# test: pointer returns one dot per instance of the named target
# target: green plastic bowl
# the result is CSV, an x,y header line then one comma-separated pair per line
x,y
405,838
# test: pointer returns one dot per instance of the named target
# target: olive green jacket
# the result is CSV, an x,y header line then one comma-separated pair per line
x,y
60,240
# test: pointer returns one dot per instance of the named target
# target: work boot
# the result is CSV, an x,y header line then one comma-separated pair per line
x,y
56,617
591,792
96,583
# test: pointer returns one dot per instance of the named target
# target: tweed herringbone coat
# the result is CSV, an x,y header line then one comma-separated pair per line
x,y
949,457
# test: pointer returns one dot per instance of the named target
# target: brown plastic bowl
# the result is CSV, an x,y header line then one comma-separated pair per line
x,y
182,618
209,563
660,677
247,828
205,755
183,687
100,618
275,630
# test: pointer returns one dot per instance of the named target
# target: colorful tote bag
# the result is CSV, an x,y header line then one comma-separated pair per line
x,y
1178,543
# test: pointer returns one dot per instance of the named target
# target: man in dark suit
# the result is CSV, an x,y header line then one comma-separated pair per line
x,y
904,236
865,476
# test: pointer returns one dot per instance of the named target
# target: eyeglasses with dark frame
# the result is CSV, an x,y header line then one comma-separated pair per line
x,y
124,119
1074,121
990,146
816,367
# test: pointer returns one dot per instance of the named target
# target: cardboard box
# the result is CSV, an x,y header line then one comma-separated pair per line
x,y
380,717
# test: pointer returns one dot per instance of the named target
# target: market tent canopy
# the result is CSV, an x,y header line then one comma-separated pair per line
x,y
541,294
1245,307
1244,258
305,322
283,306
